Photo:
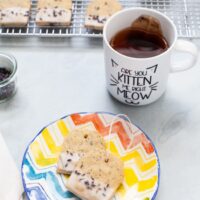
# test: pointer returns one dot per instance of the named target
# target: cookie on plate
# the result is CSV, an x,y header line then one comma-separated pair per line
x,y
54,12
99,11
76,145
96,176
14,13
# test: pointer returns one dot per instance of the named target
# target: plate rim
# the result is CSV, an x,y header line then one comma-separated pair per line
x,y
98,112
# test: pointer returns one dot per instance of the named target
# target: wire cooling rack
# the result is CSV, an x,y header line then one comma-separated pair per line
x,y
184,13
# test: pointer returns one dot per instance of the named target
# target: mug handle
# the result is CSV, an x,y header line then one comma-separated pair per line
x,y
188,47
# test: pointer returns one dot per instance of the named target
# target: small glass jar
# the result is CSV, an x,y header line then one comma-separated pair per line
x,y
8,86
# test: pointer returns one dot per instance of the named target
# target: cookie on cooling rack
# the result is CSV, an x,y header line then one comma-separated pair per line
x,y
96,176
76,145
54,12
99,11
14,13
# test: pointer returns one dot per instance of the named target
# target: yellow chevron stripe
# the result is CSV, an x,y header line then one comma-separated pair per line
x,y
142,175
112,148
50,142
134,155
147,184
139,161
130,177
39,157
143,185
121,190
62,127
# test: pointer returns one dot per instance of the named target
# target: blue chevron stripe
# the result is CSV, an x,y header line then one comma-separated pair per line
x,y
36,193
31,175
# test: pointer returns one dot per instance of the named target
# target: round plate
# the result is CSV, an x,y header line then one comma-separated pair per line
x,y
141,163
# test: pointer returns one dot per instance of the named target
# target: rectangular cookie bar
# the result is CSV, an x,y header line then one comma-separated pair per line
x,y
76,145
54,12
14,13
96,176
99,11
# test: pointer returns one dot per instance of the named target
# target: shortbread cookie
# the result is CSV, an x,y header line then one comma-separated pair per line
x,y
54,12
96,176
99,11
14,12
76,145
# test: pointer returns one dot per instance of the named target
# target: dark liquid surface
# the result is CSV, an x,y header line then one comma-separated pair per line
x,y
138,43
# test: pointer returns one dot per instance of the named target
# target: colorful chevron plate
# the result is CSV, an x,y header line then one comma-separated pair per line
x,y
141,163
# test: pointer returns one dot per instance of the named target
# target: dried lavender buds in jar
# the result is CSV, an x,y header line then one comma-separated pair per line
x,y
8,69
4,74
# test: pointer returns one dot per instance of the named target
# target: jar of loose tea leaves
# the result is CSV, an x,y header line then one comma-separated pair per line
x,y
8,76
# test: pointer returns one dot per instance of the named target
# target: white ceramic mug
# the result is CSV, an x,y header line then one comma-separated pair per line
x,y
141,81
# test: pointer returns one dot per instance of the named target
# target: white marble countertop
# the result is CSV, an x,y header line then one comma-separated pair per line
x,y
61,76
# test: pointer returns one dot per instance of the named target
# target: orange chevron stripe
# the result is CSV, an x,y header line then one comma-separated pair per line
x,y
117,127
141,138
94,118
